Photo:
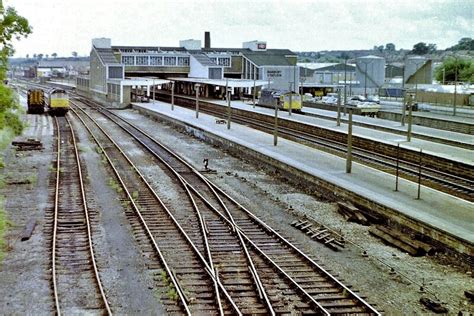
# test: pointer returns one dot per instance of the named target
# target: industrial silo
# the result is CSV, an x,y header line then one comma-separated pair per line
x,y
418,69
370,71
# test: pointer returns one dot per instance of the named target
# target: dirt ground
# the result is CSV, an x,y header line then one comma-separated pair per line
x,y
25,275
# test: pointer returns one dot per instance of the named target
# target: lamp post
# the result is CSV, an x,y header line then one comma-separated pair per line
x,y
254,90
153,90
228,108
196,86
345,83
172,95
275,129
291,100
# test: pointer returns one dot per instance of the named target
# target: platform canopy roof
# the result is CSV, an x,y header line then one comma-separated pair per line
x,y
232,83
139,81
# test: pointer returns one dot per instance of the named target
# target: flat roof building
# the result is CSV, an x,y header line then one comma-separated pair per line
x,y
254,61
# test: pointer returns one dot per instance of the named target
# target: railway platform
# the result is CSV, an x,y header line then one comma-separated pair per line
x,y
379,131
444,218
420,132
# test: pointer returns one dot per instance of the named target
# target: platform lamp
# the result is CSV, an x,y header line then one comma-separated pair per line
x,y
196,86
172,95
153,90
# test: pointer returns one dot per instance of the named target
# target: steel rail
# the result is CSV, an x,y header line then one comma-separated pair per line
x,y
252,268
170,215
268,228
142,220
86,215
55,221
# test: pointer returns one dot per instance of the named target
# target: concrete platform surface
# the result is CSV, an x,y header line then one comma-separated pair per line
x,y
396,126
446,151
449,214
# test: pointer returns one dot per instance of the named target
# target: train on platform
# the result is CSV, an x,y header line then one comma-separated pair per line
x,y
58,102
36,101
280,98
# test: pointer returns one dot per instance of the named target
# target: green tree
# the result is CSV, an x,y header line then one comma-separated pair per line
x,y
12,26
54,55
390,47
454,68
465,43
74,54
423,48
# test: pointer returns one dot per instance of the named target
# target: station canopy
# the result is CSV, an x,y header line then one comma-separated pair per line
x,y
231,83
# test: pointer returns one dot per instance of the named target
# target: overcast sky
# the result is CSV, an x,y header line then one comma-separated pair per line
x,y
63,26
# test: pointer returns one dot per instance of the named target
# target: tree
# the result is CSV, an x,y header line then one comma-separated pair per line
x,y
465,43
74,54
431,48
40,56
452,66
27,56
34,56
420,48
54,55
390,47
12,27
47,56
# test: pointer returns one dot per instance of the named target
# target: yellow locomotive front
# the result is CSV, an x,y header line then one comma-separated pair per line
x,y
58,102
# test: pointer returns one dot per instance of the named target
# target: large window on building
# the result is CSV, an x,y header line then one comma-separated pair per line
x,y
183,61
142,60
169,61
115,72
128,60
156,60
224,61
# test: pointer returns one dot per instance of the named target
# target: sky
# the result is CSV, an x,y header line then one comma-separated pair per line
x,y
64,26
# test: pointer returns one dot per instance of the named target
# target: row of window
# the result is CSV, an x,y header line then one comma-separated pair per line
x,y
221,61
155,61
168,61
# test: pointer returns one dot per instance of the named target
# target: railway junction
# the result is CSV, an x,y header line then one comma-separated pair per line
x,y
160,192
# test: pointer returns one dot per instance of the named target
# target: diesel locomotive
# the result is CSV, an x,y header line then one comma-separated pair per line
x,y
280,98
58,102
36,101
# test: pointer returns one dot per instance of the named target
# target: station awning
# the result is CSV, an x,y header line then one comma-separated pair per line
x,y
231,83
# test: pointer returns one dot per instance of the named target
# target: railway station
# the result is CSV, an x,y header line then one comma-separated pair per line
x,y
116,71
286,169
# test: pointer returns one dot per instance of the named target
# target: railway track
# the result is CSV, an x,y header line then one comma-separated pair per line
x,y
462,187
76,283
179,262
256,264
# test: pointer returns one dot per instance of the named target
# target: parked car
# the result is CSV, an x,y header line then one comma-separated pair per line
x,y
357,99
373,98
330,98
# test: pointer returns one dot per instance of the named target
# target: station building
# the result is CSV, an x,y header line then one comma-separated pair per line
x,y
119,72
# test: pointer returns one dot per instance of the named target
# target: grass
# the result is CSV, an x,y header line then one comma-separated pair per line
x,y
4,224
171,293
114,185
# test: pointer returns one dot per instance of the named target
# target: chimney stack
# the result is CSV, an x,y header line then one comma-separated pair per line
x,y
207,39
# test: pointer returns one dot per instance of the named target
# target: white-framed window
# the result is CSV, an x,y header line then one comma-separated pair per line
x,y
156,60
142,60
183,61
169,61
214,60
224,61
128,60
